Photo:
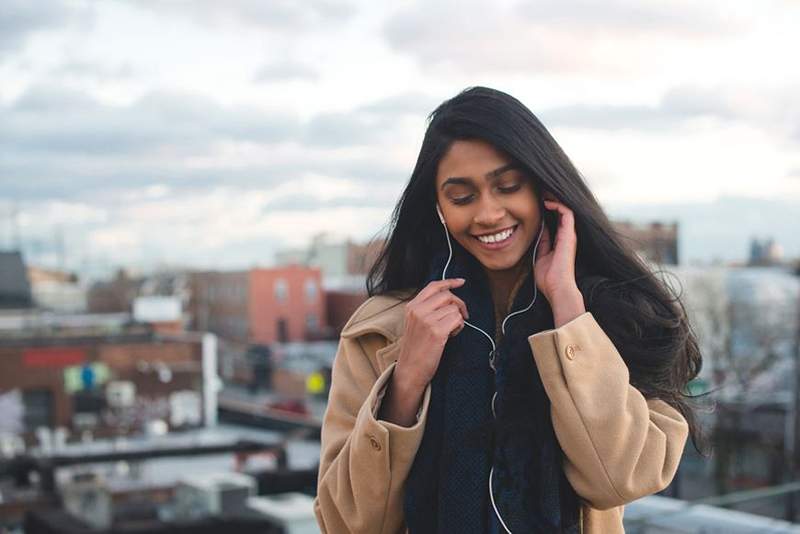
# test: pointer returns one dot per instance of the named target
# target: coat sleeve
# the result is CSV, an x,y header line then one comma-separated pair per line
x,y
618,446
364,462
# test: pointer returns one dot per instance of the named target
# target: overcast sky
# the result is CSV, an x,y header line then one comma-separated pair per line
x,y
213,133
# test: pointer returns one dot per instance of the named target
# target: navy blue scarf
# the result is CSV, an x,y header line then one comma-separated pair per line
x,y
447,489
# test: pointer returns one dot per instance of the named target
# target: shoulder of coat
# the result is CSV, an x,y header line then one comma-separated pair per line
x,y
382,314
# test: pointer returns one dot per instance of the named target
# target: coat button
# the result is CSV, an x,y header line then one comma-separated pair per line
x,y
374,443
570,351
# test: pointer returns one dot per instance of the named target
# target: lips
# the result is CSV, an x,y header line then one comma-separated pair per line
x,y
500,231
502,238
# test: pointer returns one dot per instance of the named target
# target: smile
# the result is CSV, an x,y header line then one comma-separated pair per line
x,y
498,239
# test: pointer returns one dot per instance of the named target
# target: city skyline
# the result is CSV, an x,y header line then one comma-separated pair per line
x,y
141,133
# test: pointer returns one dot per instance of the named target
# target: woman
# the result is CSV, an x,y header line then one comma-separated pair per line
x,y
464,402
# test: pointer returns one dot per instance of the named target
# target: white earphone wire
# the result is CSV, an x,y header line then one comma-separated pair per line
x,y
535,292
503,330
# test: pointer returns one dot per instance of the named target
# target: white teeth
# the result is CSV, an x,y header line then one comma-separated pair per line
x,y
501,236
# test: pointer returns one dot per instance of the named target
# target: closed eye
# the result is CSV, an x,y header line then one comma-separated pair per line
x,y
510,189
462,200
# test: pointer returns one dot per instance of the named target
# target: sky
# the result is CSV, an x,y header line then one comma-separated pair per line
x,y
147,133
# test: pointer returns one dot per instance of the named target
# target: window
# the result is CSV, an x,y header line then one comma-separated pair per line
x,y
311,290
312,324
281,290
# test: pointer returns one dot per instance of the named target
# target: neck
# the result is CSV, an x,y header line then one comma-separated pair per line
x,y
503,284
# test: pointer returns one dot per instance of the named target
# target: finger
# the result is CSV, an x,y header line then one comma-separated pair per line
x,y
566,220
452,324
560,207
440,299
439,285
439,314
457,330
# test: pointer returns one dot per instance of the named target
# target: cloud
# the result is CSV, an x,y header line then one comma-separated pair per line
x,y
408,103
48,120
278,15
94,70
19,19
341,129
57,143
550,36
198,228
773,110
667,19
285,71
369,123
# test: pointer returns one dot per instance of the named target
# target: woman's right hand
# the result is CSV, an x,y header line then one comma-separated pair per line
x,y
431,318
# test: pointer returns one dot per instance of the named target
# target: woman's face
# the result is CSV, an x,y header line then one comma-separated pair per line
x,y
489,206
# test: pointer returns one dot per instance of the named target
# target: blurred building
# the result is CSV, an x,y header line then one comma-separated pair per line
x,y
260,306
163,313
104,372
656,242
57,290
115,295
335,259
344,266
765,252
746,322
15,288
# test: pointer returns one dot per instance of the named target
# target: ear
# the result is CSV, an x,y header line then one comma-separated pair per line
x,y
439,211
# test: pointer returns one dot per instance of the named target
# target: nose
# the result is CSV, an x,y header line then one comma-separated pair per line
x,y
490,212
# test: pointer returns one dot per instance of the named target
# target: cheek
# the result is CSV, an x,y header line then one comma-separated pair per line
x,y
525,209
459,223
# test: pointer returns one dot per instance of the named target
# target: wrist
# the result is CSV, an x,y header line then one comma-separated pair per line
x,y
402,401
404,380
567,304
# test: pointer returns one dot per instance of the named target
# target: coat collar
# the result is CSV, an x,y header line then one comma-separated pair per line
x,y
381,314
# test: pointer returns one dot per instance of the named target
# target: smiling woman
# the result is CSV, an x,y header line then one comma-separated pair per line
x,y
516,368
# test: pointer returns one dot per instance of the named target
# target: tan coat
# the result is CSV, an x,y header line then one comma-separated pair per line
x,y
618,446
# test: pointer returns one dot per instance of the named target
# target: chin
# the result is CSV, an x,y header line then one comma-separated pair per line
x,y
498,264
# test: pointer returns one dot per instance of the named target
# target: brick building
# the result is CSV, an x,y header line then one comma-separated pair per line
x,y
260,306
344,266
50,372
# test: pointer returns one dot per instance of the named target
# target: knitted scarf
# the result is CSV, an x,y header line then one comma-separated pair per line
x,y
447,489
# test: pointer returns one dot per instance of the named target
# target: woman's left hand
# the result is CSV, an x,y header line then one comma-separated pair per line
x,y
554,269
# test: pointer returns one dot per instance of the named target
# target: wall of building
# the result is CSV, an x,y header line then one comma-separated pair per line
x,y
286,304
36,367
220,304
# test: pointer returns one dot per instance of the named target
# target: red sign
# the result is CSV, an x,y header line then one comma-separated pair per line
x,y
53,357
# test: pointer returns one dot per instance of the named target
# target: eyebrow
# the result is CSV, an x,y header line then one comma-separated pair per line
x,y
489,175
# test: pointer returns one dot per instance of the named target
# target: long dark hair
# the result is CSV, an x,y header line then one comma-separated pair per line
x,y
640,313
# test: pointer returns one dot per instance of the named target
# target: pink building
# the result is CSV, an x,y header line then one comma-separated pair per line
x,y
286,304
260,306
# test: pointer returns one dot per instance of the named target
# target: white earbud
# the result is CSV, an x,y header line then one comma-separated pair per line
x,y
441,217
